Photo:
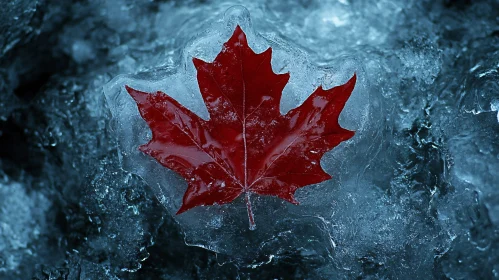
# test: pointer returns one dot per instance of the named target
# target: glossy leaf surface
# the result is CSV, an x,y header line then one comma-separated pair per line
x,y
246,146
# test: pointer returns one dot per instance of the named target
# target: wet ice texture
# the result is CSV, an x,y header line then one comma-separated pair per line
x,y
221,228
415,194
22,224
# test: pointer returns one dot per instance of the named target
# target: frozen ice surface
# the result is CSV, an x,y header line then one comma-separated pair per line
x,y
414,194
221,228
16,22
23,228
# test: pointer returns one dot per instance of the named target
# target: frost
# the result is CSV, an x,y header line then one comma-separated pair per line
x,y
22,223
413,195
227,237
15,23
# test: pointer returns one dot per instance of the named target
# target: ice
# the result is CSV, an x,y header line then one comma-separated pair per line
x,y
82,51
219,228
23,227
15,28
421,59
413,194
16,23
484,93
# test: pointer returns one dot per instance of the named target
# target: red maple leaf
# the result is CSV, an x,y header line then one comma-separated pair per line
x,y
246,146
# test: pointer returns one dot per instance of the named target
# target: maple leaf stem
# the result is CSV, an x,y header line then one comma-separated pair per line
x,y
252,225
242,94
